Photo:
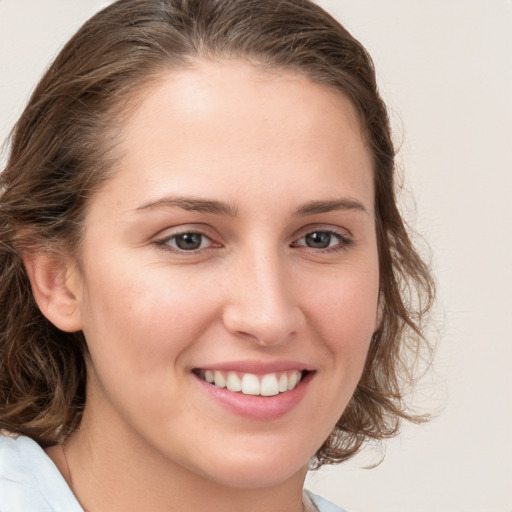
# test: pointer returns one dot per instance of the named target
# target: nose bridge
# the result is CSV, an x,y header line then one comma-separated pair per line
x,y
261,303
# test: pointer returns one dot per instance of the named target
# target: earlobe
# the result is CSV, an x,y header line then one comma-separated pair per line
x,y
55,285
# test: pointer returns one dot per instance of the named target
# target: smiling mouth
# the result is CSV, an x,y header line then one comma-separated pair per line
x,y
269,384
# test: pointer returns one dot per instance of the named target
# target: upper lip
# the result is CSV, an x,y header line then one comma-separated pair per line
x,y
256,367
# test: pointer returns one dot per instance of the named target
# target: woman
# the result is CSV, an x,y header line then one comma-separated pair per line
x,y
206,286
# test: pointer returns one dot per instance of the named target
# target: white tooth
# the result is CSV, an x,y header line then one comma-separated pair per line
x,y
250,384
208,376
269,385
283,383
292,379
219,379
233,382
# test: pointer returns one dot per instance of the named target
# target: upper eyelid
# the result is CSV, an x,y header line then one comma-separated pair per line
x,y
200,229
164,242
166,235
343,239
338,230
331,231
213,235
170,236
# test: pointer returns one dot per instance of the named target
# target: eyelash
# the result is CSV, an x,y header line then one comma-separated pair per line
x,y
165,242
343,242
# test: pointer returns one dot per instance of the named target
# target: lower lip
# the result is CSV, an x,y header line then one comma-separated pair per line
x,y
258,407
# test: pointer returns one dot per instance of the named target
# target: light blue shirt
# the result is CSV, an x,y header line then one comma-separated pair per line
x,y
30,481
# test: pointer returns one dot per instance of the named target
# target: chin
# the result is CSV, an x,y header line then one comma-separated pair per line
x,y
253,471
250,477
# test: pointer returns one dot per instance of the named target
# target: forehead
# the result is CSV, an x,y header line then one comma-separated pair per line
x,y
210,91
231,125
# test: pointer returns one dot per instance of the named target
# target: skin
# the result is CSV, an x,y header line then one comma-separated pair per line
x,y
265,145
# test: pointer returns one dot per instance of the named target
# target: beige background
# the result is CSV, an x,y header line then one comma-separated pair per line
x,y
445,68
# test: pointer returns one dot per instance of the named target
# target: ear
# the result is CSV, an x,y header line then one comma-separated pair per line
x,y
56,285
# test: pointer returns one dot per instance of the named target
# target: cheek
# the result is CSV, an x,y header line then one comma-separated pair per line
x,y
345,312
139,331
342,316
146,319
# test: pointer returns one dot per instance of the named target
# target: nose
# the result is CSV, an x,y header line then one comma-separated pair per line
x,y
261,304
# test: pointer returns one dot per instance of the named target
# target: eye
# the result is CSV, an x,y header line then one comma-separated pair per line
x,y
323,239
188,241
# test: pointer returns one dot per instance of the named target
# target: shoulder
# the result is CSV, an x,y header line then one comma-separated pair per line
x,y
29,481
323,505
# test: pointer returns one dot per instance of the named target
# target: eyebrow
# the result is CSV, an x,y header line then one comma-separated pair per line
x,y
314,207
222,208
193,204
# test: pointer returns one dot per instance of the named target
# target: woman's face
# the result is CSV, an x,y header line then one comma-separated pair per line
x,y
235,242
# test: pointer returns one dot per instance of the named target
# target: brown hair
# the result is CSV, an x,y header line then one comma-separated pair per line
x,y
63,147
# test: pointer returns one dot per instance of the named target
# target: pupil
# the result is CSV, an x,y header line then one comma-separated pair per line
x,y
189,241
318,239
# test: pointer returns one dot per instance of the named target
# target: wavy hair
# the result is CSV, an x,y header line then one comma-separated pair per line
x,y
63,147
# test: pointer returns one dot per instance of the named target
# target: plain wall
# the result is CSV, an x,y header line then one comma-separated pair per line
x,y
445,69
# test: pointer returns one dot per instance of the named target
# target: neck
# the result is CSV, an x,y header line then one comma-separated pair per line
x,y
106,476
